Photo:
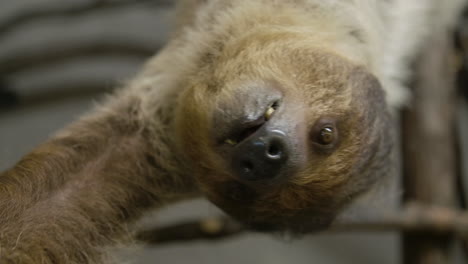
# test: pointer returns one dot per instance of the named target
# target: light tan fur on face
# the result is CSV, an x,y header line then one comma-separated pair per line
x,y
319,83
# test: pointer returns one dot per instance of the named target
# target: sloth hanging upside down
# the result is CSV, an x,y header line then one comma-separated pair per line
x,y
276,110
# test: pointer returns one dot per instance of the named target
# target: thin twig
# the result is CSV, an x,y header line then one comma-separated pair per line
x,y
413,218
54,10
206,229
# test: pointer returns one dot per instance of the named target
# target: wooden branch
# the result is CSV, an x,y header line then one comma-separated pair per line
x,y
433,220
429,146
462,83
206,229
54,10
41,56
414,218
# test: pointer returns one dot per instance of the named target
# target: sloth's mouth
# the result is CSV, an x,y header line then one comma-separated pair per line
x,y
246,129
244,132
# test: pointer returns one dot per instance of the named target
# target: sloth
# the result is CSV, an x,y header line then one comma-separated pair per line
x,y
277,111
284,145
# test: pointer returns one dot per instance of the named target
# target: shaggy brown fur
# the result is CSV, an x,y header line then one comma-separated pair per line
x,y
156,141
73,195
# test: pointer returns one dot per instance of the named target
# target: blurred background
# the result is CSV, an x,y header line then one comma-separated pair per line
x,y
58,57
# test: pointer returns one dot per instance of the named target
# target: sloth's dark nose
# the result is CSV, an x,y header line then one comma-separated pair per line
x,y
262,156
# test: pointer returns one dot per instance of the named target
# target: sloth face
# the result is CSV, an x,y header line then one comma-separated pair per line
x,y
281,135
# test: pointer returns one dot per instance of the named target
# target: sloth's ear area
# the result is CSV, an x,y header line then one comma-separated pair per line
x,y
366,87
374,127
370,104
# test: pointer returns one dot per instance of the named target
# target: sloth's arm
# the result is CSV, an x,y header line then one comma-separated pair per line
x,y
75,193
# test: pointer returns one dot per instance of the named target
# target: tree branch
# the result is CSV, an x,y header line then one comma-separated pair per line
x,y
413,218
206,229
429,153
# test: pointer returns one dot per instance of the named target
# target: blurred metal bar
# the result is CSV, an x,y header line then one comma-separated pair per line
x,y
68,50
53,10
8,98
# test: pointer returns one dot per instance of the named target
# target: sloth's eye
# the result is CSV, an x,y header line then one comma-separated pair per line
x,y
326,136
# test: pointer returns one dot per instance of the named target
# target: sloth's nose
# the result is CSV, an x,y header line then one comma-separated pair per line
x,y
262,156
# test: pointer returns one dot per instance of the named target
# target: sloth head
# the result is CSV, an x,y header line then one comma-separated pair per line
x,y
281,134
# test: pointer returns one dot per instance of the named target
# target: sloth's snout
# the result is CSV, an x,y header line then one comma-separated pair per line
x,y
262,156
262,136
